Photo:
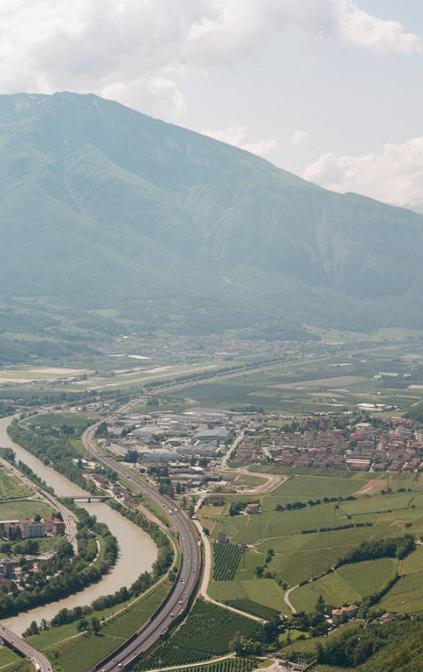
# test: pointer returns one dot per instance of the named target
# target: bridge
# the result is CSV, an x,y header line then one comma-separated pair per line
x,y
89,498
38,660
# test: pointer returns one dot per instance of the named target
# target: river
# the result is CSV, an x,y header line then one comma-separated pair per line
x,y
137,551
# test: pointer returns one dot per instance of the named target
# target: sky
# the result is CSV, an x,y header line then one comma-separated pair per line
x,y
328,89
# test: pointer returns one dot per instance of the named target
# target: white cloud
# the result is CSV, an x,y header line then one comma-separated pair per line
x,y
237,135
395,175
298,137
370,32
152,95
134,49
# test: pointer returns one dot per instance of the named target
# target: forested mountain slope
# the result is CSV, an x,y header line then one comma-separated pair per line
x,y
102,207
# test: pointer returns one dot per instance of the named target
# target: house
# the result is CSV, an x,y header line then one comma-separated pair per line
x,y
54,526
30,529
6,569
344,613
252,508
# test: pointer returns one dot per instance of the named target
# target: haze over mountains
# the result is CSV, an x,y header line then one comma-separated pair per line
x,y
115,219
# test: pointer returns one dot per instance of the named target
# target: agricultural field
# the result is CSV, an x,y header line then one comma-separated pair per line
x,y
346,585
77,421
192,642
317,384
81,652
305,487
11,487
267,525
229,665
300,556
226,559
264,592
407,593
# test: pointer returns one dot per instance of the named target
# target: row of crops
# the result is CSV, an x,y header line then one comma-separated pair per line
x,y
226,558
206,634
228,665
249,529
348,584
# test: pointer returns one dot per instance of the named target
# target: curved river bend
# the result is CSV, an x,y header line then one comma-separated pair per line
x,y
137,551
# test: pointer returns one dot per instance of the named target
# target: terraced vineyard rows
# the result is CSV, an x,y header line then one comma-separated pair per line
x,y
207,633
226,559
250,529
229,665
348,584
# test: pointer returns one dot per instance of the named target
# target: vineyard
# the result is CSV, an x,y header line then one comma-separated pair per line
x,y
250,529
229,665
348,584
264,592
407,591
206,634
226,559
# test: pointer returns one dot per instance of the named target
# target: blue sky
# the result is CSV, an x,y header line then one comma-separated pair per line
x,y
328,89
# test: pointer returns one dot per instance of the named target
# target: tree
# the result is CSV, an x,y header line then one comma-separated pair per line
x,y
83,625
95,625
320,607
33,628
259,571
239,644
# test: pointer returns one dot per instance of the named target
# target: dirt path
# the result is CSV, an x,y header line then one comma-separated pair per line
x,y
287,598
205,579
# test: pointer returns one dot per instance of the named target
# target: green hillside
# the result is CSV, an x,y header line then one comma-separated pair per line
x,y
105,209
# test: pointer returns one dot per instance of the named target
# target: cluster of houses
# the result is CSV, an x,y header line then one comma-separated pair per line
x,y
391,444
13,570
32,529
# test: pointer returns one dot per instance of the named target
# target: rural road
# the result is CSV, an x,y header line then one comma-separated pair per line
x,y
287,599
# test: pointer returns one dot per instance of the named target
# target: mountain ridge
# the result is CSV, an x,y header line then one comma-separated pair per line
x,y
105,207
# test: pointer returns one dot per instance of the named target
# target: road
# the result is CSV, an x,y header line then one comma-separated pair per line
x,y
39,661
188,575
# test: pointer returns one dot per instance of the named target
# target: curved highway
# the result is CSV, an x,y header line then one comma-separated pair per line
x,y
39,660
187,578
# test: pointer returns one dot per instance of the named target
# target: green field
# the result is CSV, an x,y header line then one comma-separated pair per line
x,y
347,585
260,591
78,421
10,662
11,487
207,633
407,593
267,525
23,509
299,557
81,652
250,480
303,487
300,387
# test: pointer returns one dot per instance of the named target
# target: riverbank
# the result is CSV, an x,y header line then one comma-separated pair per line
x,y
137,551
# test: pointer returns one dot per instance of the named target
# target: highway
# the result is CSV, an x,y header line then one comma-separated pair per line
x,y
189,571
39,661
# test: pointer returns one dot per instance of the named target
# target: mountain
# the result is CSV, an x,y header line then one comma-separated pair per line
x,y
416,205
112,220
